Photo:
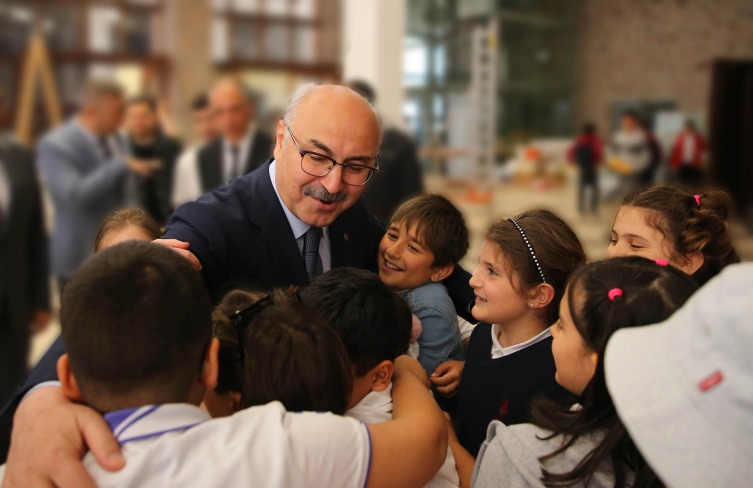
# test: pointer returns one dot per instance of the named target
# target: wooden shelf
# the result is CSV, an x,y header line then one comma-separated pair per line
x,y
302,68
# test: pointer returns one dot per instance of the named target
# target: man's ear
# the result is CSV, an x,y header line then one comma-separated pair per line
x,y
211,365
381,375
440,273
692,263
542,296
281,131
68,381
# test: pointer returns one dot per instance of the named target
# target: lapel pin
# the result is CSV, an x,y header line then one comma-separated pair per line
x,y
345,236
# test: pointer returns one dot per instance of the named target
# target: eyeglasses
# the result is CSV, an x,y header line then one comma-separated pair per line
x,y
316,164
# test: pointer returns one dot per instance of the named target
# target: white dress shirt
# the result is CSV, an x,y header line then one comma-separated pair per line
x,y
376,407
229,166
498,351
187,182
300,228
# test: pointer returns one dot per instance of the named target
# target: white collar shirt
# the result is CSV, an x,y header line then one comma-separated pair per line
x,y
376,407
230,169
498,351
300,227
264,446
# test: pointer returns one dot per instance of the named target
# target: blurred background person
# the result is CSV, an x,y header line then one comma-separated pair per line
x,y
630,148
84,166
186,183
586,152
24,274
399,176
242,146
656,157
147,141
688,154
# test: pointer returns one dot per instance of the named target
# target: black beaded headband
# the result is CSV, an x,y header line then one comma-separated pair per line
x,y
530,248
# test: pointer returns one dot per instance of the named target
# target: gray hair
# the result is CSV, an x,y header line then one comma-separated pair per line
x,y
95,89
300,96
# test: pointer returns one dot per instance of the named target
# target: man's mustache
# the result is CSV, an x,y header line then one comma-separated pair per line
x,y
321,193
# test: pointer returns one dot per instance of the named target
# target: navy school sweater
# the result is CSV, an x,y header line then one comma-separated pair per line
x,y
503,388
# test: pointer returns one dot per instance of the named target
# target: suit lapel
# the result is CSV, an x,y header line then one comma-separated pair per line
x,y
276,242
340,244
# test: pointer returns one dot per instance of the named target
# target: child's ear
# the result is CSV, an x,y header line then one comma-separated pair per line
x,y
542,296
68,381
211,364
440,273
381,375
692,263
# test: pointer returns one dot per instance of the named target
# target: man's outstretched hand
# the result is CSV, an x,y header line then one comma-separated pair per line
x,y
181,248
50,435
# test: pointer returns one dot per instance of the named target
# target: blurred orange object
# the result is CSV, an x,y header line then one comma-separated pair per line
x,y
531,153
619,166
476,196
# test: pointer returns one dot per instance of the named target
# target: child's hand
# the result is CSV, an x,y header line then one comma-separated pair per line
x,y
408,364
446,378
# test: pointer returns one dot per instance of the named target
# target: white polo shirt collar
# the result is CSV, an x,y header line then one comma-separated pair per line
x,y
498,351
153,420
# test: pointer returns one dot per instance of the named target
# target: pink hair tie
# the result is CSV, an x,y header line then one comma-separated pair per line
x,y
661,262
614,292
698,200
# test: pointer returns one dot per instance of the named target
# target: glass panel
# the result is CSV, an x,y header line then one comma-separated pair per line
x,y
15,25
305,9
7,85
103,29
245,40
277,42
62,27
219,40
276,7
305,44
138,33
246,6
70,77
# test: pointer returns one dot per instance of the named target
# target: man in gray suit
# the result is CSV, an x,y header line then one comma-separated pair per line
x,y
83,165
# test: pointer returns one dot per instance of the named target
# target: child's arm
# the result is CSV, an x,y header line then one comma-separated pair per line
x,y
464,461
408,450
439,338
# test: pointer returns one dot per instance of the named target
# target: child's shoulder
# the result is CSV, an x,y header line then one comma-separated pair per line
x,y
429,295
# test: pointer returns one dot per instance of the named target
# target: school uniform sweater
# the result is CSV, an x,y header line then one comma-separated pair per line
x,y
503,388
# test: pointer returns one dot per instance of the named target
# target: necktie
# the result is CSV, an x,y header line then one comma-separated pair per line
x,y
311,252
235,169
105,147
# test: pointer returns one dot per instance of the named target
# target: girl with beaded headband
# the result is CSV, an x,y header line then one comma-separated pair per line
x,y
524,265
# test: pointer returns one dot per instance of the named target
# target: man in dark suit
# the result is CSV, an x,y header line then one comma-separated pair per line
x,y
242,147
24,280
147,141
292,219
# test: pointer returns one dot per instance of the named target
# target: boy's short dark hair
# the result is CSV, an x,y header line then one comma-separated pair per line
x,y
290,354
373,322
136,324
438,224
